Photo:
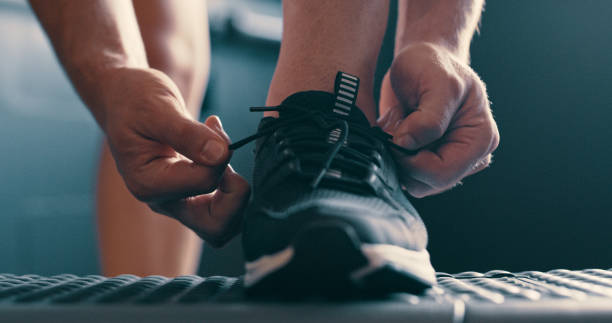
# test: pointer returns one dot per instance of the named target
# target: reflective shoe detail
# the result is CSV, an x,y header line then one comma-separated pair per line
x,y
265,265
327,258
415,263
410,262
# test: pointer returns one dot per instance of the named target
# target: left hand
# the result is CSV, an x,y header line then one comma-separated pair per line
x,y
436,104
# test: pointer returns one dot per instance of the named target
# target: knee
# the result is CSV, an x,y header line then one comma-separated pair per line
x,y
186,62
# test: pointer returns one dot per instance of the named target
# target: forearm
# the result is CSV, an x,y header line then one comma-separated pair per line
x,y
90,39
447,23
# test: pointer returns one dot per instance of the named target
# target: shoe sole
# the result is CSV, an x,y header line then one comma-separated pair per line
x,y
327,258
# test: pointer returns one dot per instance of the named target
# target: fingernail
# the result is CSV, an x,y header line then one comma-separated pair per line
x,y
389,124
405,141
394,125
213,151
216,124
383,119
390,119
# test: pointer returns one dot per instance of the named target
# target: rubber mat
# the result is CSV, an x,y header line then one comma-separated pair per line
x,y
500,296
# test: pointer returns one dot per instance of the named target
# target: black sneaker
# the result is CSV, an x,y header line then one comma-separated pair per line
x,y
327,213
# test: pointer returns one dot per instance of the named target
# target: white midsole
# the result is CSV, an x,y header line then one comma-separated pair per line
x,y
258,269
414,262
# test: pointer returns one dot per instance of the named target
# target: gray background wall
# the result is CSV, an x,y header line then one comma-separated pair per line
x,y
543,204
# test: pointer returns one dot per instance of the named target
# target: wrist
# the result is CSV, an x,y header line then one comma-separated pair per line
x,y
447,24
93,83
460,53
121,93
99,85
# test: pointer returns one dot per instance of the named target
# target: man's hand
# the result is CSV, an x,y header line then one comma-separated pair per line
x,y
434,103
175,164
168,160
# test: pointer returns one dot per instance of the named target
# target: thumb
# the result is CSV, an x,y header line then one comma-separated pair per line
x,y
214,123
194,140
216,216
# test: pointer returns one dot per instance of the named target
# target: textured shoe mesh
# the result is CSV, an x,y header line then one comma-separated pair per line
x,y
288,198
314,161
495,287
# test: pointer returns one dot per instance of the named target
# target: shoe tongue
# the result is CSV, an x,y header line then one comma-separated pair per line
x,y
319,101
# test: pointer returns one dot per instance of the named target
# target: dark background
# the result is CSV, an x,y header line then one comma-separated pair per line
x,y
543,204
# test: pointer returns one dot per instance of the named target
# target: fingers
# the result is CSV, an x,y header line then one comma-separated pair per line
x,y
420,189
174,163
216,216
440,169
215,123
393,117
446,118
454,130
169,178
464,151
429,121
387,97
481,165
207,199
206,144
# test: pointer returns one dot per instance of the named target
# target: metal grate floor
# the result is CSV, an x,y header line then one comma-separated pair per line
x,y
557,295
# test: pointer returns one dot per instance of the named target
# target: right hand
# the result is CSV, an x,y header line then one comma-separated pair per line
x,y
434,103
175,164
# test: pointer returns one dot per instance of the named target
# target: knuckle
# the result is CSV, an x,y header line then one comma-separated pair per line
x,y
488,133
208,186
216,230
144,189
417,192
204,180
481,96
184,130
146,194
456,86
157,208
217,243
495,140
443,179
434,127
140,190
244,189
481,165
218,233
491,133
415,188
488,160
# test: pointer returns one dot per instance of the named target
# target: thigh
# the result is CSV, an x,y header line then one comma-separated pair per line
x,y
132,238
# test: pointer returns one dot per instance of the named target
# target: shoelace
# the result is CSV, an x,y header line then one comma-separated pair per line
x,y
329,123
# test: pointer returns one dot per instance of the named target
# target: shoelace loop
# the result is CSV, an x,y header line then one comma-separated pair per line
x,y
323,121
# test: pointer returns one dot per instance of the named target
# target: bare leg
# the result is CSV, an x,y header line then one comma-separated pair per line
x,y
134,239
321,37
